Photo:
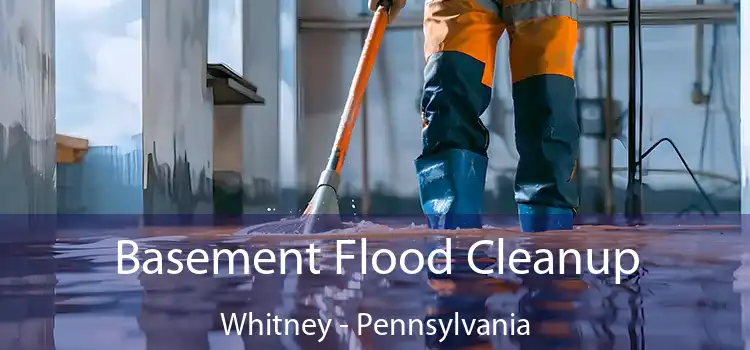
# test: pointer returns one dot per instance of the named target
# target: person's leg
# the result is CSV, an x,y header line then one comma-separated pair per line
x,y
544,34
460,41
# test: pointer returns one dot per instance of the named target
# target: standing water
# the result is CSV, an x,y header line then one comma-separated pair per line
x,y
77,294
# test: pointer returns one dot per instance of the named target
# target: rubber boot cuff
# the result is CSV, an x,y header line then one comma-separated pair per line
x,y
451,188
538,218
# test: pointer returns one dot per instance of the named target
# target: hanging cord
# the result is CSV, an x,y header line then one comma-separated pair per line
x,y
639,39
645,154
708,96
636,30
717,75
633,202
637,104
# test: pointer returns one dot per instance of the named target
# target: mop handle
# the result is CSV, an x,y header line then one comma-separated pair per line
x,y
357,89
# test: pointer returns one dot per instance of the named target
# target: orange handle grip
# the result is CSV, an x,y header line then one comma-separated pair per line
x,y
357,89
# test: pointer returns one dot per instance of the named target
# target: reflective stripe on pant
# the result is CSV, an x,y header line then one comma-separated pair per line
x,y
460,42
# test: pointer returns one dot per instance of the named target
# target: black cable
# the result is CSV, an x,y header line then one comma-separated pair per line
x,y
635,160
717,76
640,87
687,168
632,203
709,95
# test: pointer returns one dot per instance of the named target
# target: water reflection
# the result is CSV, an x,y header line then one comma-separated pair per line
x,y
461,297
742,286
680,299
552,304
27,297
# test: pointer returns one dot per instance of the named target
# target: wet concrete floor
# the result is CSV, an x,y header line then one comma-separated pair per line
x,y
70,297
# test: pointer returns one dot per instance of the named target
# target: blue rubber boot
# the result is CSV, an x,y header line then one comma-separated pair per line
x,y
538,218
451,188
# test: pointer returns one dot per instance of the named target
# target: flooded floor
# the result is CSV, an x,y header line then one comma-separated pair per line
x,y
684,295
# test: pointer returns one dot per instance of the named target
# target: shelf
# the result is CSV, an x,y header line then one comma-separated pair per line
x,y
229,88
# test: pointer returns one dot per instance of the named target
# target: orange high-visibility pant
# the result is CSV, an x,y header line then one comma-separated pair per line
x,y
460,43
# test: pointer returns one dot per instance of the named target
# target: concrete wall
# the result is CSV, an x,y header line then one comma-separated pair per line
x,y
27,109
225,34
28,319
177,108
228,154
745,112
742,275
27,168
261,123
103,100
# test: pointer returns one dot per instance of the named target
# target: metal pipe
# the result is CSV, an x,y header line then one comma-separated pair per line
x,y
706,174
632,202
605,146
699,59
697,95
662,15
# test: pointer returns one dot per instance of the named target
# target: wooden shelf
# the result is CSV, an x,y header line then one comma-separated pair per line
x,y
70,150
